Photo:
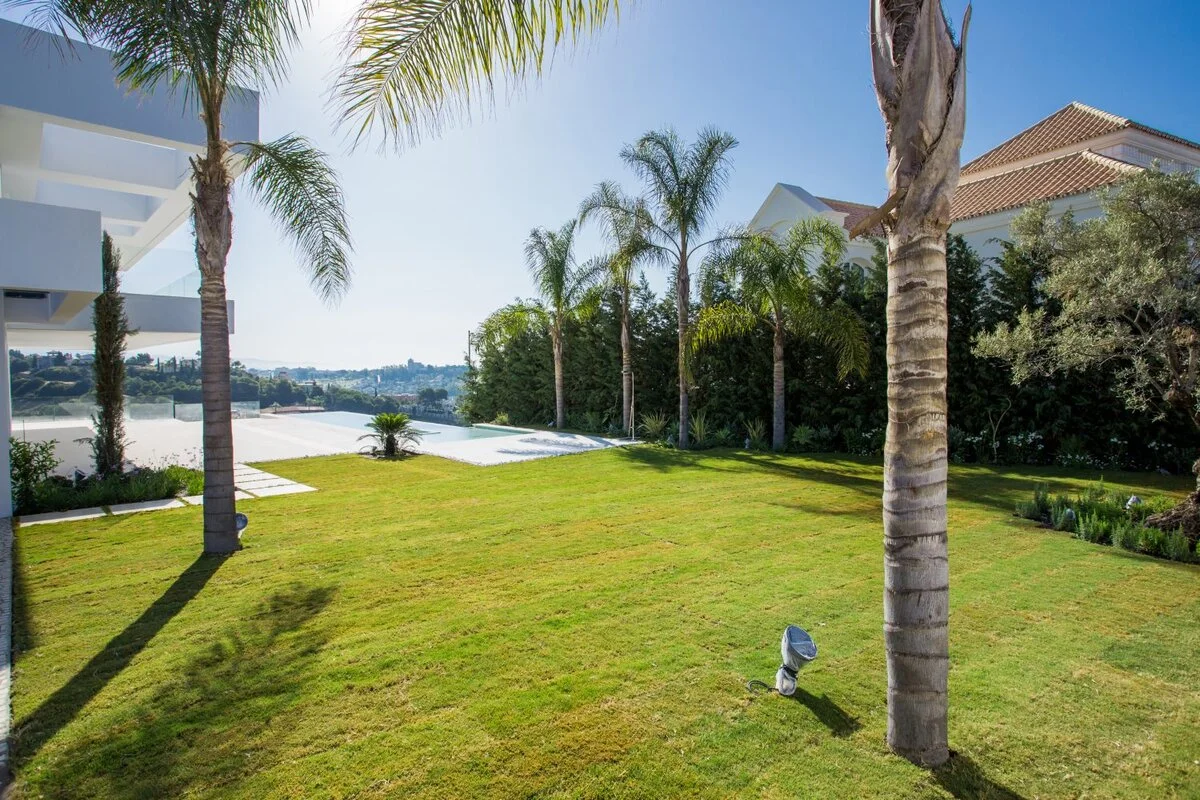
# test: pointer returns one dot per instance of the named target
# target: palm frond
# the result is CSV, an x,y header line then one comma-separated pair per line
x,y
723,321
298,186
842,330
550,256
511,321
413,66
211,50
708,174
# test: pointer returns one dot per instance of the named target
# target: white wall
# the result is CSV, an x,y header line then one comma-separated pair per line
x,y
981,232
49,248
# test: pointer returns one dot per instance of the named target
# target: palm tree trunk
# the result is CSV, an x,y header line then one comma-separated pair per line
x,y
777,431
916,606
213,220
682,299
920,81
626,366
560,404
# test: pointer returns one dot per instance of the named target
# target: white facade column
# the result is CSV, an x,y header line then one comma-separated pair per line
x,y
6,505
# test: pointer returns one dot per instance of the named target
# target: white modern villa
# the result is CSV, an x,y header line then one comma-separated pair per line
x,y
1063,160
80,154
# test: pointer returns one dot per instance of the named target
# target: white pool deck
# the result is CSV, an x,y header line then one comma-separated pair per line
x,y
275,438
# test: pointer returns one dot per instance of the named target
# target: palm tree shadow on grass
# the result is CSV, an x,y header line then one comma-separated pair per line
x,y
963,778
839,721
829,470
24,635
217,720
57,711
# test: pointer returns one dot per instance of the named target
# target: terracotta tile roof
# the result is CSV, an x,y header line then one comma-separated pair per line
x,y
855,213
1074,124
1077,173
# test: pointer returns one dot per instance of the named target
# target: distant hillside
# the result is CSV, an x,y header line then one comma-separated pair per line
x,y
408,378
41,384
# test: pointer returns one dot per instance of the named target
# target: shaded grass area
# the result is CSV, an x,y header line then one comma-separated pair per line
x,y
584,627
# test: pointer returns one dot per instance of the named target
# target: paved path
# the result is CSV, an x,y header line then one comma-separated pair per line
x,y
250,483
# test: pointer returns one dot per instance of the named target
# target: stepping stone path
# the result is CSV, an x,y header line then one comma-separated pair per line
x,y
250,483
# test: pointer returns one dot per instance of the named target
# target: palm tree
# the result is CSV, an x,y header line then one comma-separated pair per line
x,y
411,67
395,433
566,292
625,221
770,279
683,184
920,81
208,53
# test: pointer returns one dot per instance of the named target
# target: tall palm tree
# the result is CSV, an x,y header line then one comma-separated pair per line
x,y
920,80
770,279
683,184
208,53
625,222
413,66
566,292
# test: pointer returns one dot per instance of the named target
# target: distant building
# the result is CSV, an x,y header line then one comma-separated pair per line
x,y
1064,160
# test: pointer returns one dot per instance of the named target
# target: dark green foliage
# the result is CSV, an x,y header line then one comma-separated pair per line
x,y
1076,419
1104,517
61,494
31,465
111,329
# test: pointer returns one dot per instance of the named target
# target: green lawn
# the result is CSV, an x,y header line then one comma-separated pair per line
x,y
584,627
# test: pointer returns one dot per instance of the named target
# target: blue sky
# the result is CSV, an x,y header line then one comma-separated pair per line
x,y
439,229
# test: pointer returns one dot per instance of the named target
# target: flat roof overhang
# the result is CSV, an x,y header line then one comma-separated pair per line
x,y
156,320
71,136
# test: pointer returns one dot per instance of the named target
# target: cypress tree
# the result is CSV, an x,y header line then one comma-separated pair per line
x,y
111,329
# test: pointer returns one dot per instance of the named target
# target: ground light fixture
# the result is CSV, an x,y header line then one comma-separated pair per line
x,y
241,521
797,649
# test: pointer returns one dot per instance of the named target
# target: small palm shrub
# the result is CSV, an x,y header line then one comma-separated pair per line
x,y
654,425
724,437
593,422
698,428
756,431
394,433
802,438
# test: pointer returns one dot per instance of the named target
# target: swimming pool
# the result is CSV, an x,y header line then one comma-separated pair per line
x,y
434,432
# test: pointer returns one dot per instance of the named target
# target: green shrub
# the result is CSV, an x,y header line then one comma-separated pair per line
x,y
1062,516
1177,548
593,422
501,419
136,486
756,432
654,425
824,440
32,464
864,443
1151,541
802,438
1041,498
724,437
698,429
1094,528
1127,537
1027,509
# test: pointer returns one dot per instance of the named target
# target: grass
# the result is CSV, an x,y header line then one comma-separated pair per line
x,y
584,627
